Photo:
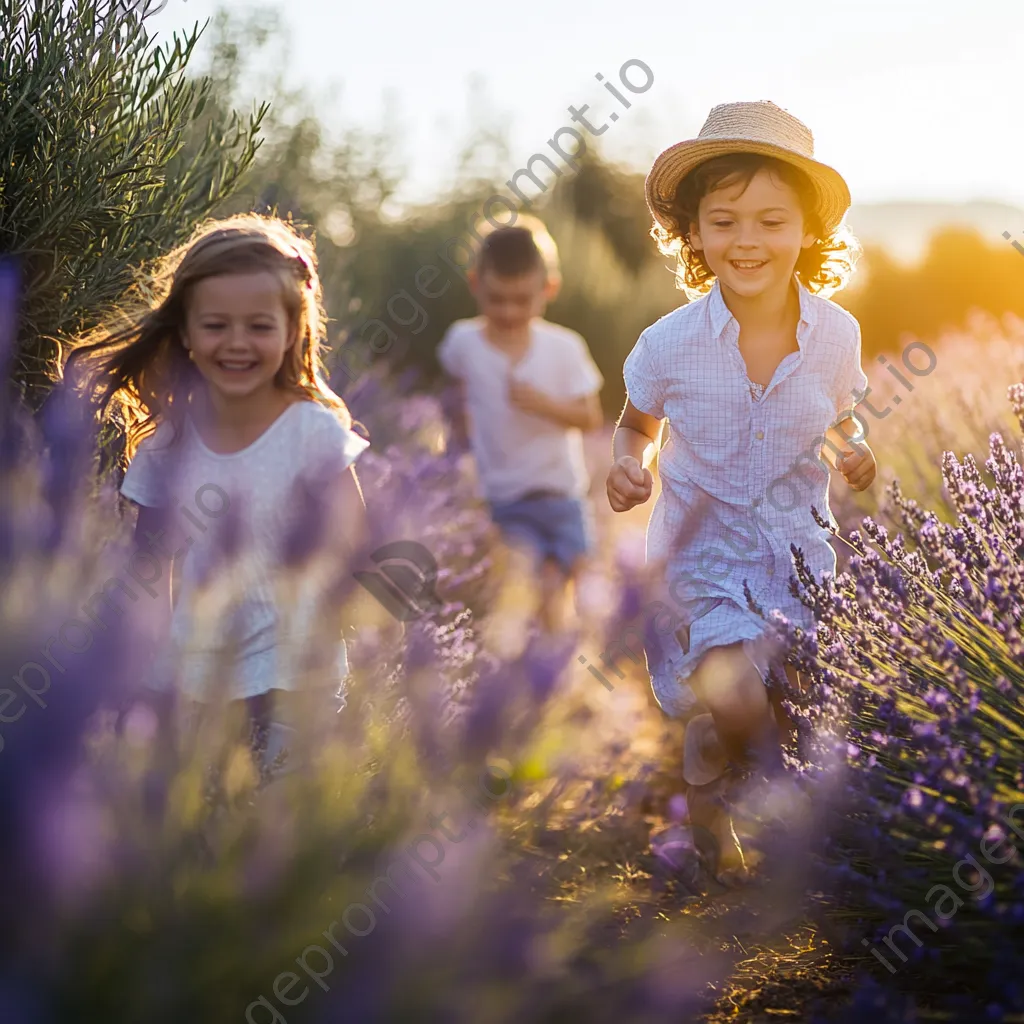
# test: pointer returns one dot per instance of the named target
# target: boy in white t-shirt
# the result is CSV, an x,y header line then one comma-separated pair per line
x,y
530,388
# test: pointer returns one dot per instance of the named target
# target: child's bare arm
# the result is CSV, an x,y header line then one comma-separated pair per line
x,y
636,435
837,440
634,448
583,412
458,418
849,455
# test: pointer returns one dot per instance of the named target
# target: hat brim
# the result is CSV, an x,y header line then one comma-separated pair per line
x,y
677,161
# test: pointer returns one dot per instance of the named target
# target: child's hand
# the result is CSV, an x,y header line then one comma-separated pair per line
x,y
527,398
629,484
858,467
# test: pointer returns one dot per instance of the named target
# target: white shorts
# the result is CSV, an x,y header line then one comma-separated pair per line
x,y
714,622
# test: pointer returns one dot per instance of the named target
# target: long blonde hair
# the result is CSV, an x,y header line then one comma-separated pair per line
x,y
138,365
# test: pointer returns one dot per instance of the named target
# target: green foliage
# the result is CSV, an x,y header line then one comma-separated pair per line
x,y
343,184
95,176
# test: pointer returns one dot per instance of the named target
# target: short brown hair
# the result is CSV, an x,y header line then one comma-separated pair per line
x,y
518,248
825,266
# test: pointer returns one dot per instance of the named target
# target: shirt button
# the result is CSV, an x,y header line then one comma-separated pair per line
x,y
760,435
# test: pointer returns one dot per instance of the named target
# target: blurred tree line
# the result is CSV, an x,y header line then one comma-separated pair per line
x,y
163,150
615,282
339,184
109,155
958,272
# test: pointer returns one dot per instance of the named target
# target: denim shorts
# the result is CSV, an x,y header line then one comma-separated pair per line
x,y
551,525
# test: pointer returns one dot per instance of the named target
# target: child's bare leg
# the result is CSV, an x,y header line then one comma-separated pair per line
x,y
517,602
713,830
554,590
730,687
728,684
558,592
278,719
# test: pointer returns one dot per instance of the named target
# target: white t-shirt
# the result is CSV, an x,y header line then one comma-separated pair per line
x,y
516,451
258,489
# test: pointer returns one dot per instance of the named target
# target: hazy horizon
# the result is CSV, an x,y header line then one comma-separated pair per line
x,y
908,100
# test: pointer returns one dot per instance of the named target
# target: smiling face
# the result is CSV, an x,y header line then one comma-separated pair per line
x,y
238,331
751,237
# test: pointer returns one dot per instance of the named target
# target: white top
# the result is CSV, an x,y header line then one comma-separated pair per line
x,y
517,452
256,490
738,466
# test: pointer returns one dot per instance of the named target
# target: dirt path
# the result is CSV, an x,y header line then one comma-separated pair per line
x,y
776,964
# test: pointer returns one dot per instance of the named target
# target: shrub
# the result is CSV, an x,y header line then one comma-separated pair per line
x,y
917,661
95,176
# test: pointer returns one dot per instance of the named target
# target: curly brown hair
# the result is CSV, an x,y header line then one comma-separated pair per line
x,y
825,266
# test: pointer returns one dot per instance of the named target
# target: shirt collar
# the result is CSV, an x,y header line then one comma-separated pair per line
x,y
719,311
720,315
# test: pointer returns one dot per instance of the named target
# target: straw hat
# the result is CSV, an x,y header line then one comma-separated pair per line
x,y
760,127
703,757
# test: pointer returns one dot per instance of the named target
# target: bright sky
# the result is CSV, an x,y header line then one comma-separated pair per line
x,y
909,99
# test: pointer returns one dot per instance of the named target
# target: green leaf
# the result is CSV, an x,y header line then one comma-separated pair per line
x,y
100,169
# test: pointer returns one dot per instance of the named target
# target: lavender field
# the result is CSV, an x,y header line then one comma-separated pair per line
x,y
477,833
469,838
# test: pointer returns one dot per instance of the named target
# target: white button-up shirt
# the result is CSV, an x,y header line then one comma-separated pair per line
x,y
739,474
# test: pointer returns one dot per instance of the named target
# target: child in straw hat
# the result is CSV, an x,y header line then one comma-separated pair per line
x,y
758,376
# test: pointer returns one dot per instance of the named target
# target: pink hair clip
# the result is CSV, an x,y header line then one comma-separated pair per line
x,y
307,267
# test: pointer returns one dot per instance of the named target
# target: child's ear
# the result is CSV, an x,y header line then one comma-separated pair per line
x,y
808,240
695,240
552,287
472,280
